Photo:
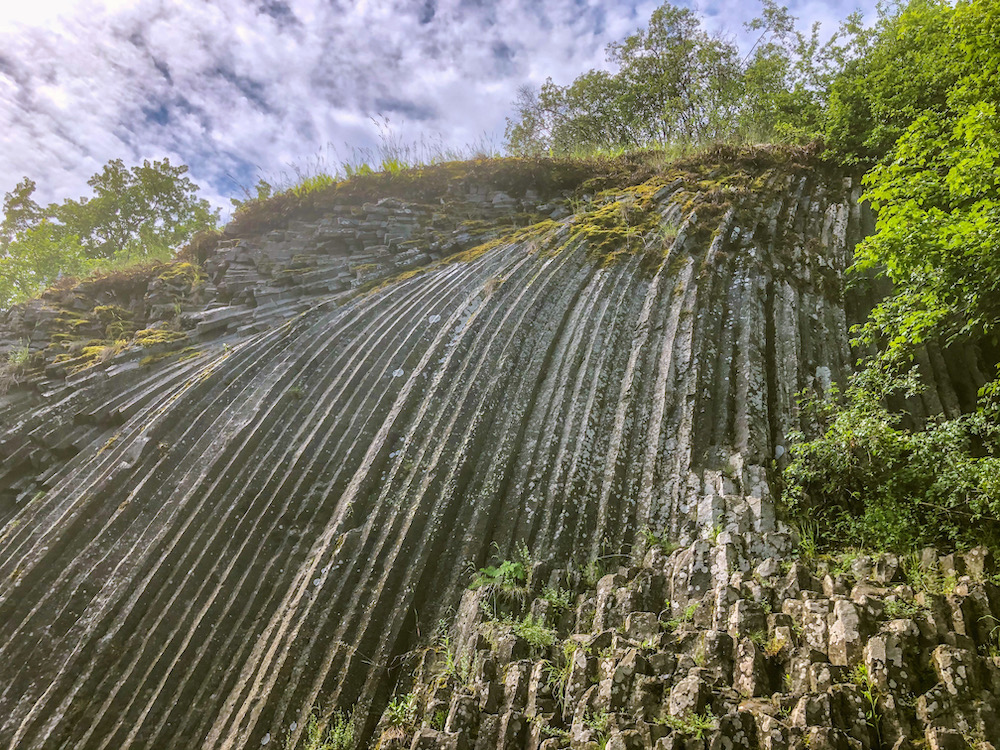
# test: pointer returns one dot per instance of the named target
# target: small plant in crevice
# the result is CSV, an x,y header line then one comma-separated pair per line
x,y
559,599
438,719
456,667
534,631
505,575
991,648
600,724
898,609
338,735
658,540
687,616
692,724
869,693
401,711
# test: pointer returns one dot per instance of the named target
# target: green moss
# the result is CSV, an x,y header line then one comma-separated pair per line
x,y
154,336
188,272
109,313
624,223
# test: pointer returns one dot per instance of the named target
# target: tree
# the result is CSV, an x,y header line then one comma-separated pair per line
x,y
134,214
674,83
937,194
138,212
905,70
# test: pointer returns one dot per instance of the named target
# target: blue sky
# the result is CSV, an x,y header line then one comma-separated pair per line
x,y
237,88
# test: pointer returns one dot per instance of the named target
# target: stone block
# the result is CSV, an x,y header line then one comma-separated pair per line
x,y
979,563
846,634
642,626
956,669
750,675
463,715
945,739
689,695
812,711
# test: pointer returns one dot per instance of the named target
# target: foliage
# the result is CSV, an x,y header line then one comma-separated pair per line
x,y
534,631
401,711
600,723
938,199
687,616
923,100
19,355
339,734
653,539
903,70
672,82
137,213
870,479
457,668
559,599
506,575
861,678
692,724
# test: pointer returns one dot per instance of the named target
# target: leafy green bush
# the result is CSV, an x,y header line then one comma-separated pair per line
x,y
869,480
535,632
692,724
506,575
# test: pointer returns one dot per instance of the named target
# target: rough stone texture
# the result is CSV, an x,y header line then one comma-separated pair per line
x,y
198,551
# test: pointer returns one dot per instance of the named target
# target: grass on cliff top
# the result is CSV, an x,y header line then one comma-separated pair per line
x,y
548,176
315,194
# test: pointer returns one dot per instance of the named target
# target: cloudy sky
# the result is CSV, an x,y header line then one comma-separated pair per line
x,y
238,88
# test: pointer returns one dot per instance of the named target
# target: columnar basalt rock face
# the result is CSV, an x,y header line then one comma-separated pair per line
x,y
202,550
778,655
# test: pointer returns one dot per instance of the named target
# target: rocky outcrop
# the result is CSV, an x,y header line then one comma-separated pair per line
x,y
204,549
846,653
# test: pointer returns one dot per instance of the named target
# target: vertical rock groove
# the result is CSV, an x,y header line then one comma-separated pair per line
x,y
237,538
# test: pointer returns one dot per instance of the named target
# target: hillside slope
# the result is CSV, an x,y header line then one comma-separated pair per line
x,y
201,546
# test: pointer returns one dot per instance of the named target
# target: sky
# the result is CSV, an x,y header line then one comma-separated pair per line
x,y
239,89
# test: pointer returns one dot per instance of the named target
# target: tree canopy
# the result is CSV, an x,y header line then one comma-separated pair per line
x,y
134,214
672,82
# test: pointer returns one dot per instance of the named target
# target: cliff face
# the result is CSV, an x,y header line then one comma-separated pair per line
x,y
268,508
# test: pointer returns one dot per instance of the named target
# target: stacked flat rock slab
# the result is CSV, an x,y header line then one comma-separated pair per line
x,y
202,551
785,654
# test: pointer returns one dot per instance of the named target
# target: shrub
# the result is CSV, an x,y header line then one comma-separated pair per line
x,y
867,479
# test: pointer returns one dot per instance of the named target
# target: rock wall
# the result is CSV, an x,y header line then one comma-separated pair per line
x,y
202,548
845,654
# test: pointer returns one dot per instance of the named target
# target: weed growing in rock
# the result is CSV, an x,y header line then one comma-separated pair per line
x,y
457,668
550,731
773,647
18,356
506,575
659,540
692,724
675,622
438,719
401,711
759,638
534,631
897,609
559,599
339,734
861,678
600,724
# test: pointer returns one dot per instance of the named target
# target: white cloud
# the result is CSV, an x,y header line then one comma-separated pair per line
x,y
234,85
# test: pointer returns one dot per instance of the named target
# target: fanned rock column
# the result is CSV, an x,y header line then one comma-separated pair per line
x,y
202,551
